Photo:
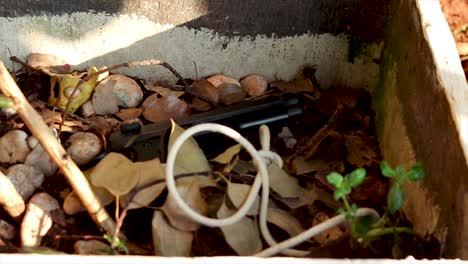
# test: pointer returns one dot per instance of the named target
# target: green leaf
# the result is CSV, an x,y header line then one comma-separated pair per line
x,y
341,192
416,172
362,225
356,177
335,179
354,208
341,211
399,170
386,169
395,198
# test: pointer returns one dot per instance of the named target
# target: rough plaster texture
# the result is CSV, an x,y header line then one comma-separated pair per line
x,y
101,39
422,115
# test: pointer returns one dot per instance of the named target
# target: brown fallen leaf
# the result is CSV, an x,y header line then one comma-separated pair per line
x,y
116,173
189,190
285,221
148,171
243,236
362,149
282,183
129,113
163,91
328,235
227,156
207,89
170,107
167,240
304,166
303,82
48,63
230,93
238,194
190,156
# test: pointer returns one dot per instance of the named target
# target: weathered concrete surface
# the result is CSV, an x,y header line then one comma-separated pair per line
x,y
423,112
101,39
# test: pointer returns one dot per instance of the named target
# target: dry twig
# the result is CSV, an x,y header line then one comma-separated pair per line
x,y
56,151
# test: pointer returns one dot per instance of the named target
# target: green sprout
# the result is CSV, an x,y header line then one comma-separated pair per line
x,y
119,244
366,229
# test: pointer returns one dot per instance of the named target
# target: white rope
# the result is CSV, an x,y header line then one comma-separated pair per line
x,y
261,159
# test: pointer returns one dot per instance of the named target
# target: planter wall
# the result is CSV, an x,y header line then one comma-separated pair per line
x,y
401,51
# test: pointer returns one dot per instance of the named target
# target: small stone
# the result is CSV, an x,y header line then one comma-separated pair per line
x,y
127,91
254,85
40,214
14,147
83,147
158,109
41,160
87,109
6,230
231,93
104,101
10,199
25,178
32,142
91,247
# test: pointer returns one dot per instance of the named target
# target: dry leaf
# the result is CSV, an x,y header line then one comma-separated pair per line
x,y
48,63
148,171
189,190
238,194
303,82
116,173
283,184
163,91
243,236
227,156
167,240
304,166
128,114
189,157
285,221
304,197
159,109
220,79
329,234
206,89
362,150
230,93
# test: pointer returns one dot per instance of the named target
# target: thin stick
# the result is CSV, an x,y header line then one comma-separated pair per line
x,y
56,151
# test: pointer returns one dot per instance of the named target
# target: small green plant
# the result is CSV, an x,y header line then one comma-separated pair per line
x,y
118,244
366,229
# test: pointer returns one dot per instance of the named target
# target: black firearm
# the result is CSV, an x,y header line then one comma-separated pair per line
x,y
144,142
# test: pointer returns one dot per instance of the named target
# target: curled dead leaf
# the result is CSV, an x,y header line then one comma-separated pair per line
x,y
362,149
282,183
163,91
48,63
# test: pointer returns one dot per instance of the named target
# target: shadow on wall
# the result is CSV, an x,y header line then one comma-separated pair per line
x,y
233,33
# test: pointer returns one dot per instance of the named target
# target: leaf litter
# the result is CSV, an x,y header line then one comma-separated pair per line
x,y
335,133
